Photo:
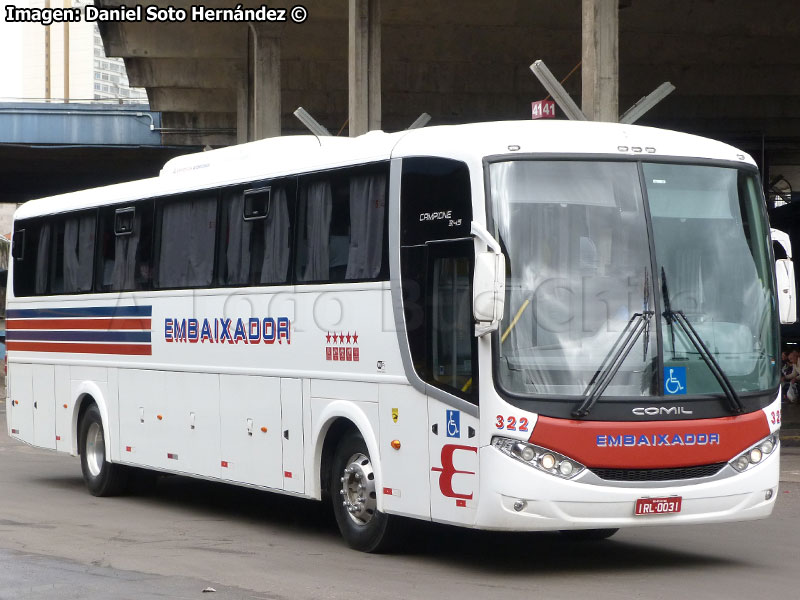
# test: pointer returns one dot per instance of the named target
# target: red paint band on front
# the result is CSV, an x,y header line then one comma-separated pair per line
x,y
578,440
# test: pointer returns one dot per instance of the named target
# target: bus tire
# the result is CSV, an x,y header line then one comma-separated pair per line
x,y
354,497
588,535
102,477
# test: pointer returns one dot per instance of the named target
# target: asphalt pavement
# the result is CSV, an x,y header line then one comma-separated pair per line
x,y
185,536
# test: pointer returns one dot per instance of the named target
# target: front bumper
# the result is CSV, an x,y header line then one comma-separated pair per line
x,y
549,502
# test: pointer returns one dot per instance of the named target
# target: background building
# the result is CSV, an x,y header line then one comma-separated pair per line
x,y
38,71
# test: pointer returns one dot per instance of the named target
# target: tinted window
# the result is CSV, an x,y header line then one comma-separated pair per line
x,y
74,253
437,300
187,233
436,272
437,202
125,246
256,234
26,257
57,255
341,232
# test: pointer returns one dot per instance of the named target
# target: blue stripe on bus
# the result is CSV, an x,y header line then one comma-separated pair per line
x,y
79,336
89,311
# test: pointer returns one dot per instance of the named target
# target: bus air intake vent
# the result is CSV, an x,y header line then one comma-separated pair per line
x,y
659,474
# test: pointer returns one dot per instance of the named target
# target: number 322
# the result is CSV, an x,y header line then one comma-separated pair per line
x,y
510,423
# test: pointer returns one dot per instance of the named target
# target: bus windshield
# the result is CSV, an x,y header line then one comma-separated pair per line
x,y
582,265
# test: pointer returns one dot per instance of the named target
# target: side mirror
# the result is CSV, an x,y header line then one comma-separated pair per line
x,y
488,284
787,302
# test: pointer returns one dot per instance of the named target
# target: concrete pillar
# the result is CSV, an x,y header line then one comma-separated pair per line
x,y
266,81
258,95
364,66
600,67
242,112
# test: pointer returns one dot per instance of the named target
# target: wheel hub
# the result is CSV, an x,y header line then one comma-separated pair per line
x,y
95,449
358,489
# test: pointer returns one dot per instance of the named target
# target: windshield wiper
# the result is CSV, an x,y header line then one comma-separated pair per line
x,y
677,316
623,345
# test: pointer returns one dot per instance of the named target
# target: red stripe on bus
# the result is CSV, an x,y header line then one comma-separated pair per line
x,y
579,440
80,348
106,324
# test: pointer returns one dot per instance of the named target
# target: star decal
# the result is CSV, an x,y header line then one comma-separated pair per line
x,y
355,337
328,337
348,337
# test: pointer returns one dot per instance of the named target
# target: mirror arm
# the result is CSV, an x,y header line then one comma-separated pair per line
x,y
480,232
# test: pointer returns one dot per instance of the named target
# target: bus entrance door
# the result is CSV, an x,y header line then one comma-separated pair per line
x,y
453,444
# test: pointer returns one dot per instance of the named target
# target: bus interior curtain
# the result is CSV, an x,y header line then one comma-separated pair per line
x,y
367,209
276,240
319,203
125,250
78,250
238,247
42,258
187,243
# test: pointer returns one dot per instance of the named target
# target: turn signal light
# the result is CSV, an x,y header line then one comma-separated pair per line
x,y
396,444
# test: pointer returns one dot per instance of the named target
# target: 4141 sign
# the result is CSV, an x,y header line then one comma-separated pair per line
x,y
543,109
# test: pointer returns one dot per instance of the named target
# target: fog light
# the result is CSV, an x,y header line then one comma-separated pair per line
x,y
548,461
528,453
768,495
742,463
755,455
519,505
566,468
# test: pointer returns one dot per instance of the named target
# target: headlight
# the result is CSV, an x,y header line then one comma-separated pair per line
x,y
538,457
755,453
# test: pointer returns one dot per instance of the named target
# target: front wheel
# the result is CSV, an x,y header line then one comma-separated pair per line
x,y
588,535
354,497
102,477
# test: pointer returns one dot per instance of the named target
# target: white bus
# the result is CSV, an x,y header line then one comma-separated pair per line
x,y
513,326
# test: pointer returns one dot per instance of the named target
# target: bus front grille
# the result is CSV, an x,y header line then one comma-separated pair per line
x,y
658,474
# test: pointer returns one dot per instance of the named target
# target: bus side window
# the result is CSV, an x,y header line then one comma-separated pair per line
x,y
256,234
186,241
124,248
26,247
74,253
451,331
341,233
55,255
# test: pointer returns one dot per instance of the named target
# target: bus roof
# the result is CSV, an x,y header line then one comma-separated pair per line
x,y
276,157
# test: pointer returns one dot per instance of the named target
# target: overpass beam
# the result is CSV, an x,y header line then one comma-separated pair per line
x,y
600,67
364,66
259,94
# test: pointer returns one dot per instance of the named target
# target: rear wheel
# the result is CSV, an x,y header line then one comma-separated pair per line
x,y
102,477
588,535
354,497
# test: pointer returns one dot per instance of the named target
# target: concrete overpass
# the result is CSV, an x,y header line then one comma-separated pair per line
x,y
734,63
51,148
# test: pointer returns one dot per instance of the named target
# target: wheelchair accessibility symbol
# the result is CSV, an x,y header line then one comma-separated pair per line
x,y
453,423
674,381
